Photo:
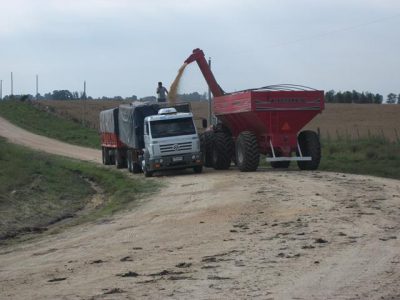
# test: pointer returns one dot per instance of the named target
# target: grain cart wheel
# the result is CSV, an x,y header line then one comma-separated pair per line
x,y
310,146
222,149
206,141
247,152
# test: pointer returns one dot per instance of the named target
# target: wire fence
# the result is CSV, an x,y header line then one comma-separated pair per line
x,y
355,134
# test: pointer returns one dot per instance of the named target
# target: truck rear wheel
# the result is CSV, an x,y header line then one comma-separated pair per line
x,y
222,150
129,161
247,152
206,145
105,153
120,161
310,146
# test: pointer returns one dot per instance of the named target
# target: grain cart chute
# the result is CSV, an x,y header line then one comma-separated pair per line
x,y
265,121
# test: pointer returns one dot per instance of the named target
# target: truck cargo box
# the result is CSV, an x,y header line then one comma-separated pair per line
x,y
109,121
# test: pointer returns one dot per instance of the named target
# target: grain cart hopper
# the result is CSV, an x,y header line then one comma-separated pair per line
x,y
265,121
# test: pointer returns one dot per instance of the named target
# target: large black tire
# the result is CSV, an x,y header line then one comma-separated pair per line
x,y
129,161
120,161
247,152
310,146
147,173
198,169
107,158
206,144
103,155
222,150
136,168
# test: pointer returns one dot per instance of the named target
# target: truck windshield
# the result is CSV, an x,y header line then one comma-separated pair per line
x,y
174,127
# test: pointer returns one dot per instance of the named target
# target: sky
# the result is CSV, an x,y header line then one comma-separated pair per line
x,y
124,48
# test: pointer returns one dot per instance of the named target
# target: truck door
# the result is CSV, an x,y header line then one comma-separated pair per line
x,y
146,134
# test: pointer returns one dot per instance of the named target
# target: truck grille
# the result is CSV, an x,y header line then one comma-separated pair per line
x,y
176,147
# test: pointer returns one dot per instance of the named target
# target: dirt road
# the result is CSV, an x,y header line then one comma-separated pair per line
x,y
22,137
226,235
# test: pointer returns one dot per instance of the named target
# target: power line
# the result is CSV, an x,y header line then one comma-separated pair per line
x,y
328,33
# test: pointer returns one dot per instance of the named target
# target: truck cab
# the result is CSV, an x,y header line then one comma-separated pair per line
x,y
171,142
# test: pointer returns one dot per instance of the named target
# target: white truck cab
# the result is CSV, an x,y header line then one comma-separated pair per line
x,y
171,142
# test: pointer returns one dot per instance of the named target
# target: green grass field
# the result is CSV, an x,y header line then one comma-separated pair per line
x,y
31,118
38,189
374,156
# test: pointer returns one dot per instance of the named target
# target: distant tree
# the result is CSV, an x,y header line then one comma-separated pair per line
x,y
391,98
347,97
330,96
378,99
62,95
398,99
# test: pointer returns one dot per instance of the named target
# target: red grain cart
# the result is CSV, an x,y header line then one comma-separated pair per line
x,y
266,121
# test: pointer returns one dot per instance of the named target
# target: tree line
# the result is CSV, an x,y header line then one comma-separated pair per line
x,y
330,97
357,97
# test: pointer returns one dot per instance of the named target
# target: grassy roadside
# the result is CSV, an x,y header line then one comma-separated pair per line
x,y
38,189
31,118
373,156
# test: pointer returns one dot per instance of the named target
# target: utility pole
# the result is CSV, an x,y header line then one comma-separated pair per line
x,y
12,85
37,87
84,103
209,98
1,90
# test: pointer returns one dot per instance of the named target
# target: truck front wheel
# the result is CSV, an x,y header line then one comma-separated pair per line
x,y
147,173
247,152
198,169
310,146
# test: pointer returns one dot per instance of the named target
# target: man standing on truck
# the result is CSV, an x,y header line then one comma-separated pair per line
x,y
161,93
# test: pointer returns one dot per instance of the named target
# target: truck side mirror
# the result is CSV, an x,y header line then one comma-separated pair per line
x,y
204,123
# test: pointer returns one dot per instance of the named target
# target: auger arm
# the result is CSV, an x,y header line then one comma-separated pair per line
x,y
198,56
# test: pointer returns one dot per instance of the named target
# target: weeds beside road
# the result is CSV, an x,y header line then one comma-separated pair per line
x,y
37,189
